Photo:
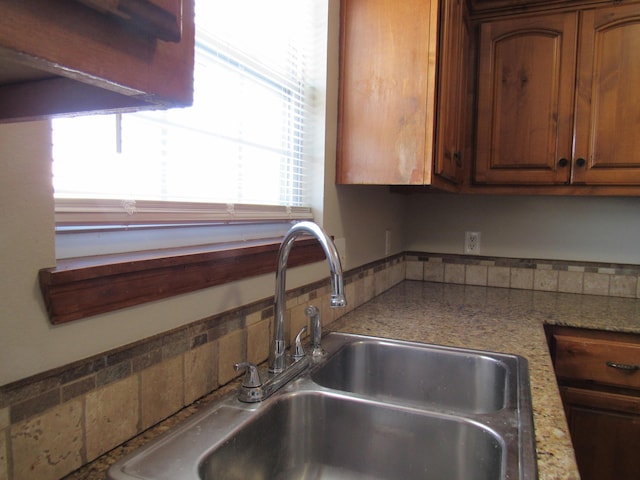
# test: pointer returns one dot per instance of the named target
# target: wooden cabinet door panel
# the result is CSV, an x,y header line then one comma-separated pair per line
x,y
387,90
451,92
88,61
608,98
605,430
525,100
160,18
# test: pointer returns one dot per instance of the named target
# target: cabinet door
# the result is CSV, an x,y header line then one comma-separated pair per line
x,y
608,97
69,58
387,83
525,100
452,83
158,18
605,431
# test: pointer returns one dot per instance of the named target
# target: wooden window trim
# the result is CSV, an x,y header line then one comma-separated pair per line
x,y
82,287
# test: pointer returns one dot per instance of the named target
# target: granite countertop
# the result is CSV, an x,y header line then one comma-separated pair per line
x,y
500,320
485,318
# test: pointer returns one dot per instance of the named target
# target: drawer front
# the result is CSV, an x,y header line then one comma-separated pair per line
x,y
609,362
598,400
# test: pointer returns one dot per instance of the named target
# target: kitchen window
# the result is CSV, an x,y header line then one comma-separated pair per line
x,y
155,204
237,157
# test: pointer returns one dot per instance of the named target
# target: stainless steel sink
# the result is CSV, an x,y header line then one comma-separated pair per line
x,y
320,435
371,409
440,377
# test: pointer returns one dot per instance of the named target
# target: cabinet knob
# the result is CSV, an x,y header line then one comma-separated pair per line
x,y
563,162
581,162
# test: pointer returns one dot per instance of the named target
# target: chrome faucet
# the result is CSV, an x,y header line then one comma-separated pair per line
x,y
256,387
277,355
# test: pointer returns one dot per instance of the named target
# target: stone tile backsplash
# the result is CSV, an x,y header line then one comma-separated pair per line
x,y
57,421
545,275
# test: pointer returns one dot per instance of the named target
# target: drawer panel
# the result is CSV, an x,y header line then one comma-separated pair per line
x,y
595,399
610,362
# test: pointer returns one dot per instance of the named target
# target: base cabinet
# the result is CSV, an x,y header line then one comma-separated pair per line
x,y
605,430
599,378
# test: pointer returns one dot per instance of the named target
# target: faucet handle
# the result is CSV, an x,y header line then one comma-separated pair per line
x,y
252,376
316,331
299,351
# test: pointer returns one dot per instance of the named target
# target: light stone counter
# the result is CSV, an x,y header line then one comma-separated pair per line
x,y
485,318
500,320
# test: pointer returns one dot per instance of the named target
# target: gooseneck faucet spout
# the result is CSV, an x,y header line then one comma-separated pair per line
x,y
277,356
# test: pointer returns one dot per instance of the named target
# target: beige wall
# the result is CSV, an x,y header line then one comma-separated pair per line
x,y
26,243
565,228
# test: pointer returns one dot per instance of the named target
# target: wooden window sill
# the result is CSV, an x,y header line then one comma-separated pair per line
x,y
82,287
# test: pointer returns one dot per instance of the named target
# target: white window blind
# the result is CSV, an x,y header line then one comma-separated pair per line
x,y
238,154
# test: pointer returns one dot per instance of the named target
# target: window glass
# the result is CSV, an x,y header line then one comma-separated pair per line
x,y
244,141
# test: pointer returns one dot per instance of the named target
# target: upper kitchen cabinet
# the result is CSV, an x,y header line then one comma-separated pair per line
x,y
83,56
452,114
486,8
607,125
559,103
525,99
391,94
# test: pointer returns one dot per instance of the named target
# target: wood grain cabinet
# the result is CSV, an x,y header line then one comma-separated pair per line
x,y
558,99
599,378
401,89
61,58
454,77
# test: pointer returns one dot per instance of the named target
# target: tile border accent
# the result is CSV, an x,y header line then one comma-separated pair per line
x,y
590,278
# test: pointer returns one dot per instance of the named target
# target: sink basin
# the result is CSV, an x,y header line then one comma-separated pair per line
x,y
316,435
371,409
456,379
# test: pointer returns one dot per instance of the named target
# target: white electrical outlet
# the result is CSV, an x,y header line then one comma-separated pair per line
x,y
472,243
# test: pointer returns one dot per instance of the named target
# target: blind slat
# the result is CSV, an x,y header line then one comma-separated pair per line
x,y
71,212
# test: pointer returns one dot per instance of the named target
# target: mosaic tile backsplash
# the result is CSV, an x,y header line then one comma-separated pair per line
x,y
55,422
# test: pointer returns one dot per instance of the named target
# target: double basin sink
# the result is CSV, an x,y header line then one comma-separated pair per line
x,y
373,408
